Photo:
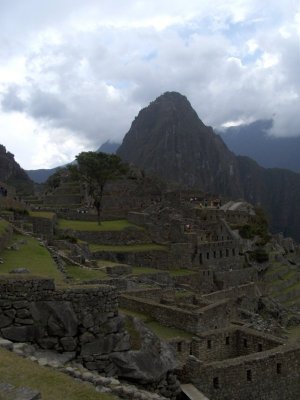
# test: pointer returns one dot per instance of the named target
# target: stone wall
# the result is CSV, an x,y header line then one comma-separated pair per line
x,y
235,277
212,252
201,281
248,289
208,317
43,226
152,258
268,375
80,320
227,343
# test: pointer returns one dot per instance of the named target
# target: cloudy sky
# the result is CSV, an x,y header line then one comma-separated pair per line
x,y
74,73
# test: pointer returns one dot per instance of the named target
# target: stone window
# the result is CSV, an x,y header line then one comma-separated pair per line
x,y
216,383
207,256
215,254
233,252
249,375
221,254
278,368
227,340
179,347
200,258
209,344
245,343
227,253
259,347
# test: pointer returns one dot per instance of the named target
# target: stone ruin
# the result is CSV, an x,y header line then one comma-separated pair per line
x,y
217,302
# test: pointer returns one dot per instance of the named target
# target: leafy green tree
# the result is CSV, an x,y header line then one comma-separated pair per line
x,y
95,169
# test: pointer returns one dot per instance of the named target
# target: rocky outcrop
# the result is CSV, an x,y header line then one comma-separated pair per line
x,y
169,139
12,174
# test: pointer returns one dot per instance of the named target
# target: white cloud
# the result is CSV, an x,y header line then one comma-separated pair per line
x,y
74,74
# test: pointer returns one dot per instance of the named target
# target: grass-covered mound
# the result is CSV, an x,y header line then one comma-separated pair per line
x,y
92,226
31,255
127,248
52,385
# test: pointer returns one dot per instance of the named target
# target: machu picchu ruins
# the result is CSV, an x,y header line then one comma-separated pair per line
x,y
177,294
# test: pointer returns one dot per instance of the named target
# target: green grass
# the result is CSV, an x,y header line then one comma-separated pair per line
x,y
181,272
3,226
161,331
42,214
128,248
32,256
53,385
106,226
84,274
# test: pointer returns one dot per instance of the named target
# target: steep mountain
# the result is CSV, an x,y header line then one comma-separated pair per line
x,y
12,174
168,138
253,140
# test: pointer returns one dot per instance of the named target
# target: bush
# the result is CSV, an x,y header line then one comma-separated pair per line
x,y
260,255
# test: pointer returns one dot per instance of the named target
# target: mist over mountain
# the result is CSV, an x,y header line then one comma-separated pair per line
x,y
253,140
109,147
169,139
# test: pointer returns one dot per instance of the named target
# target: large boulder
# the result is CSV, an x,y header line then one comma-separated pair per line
x,y
151,359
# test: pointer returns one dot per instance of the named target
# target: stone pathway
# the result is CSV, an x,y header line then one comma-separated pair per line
x,y
64,363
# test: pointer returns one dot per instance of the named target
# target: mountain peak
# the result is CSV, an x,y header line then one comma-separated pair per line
x,y
168,138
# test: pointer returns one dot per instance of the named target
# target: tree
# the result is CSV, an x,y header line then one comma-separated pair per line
x,y
95,169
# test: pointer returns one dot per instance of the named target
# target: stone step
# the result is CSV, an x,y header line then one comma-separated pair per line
x,y
9,392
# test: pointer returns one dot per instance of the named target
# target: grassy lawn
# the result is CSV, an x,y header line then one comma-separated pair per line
x,y
3,225
32,256
161,331
181,272
128,248
294,334
42,214
53,385
84,274
142,270
106,226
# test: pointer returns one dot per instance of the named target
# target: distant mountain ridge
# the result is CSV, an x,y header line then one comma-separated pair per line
x,y
41,175
253,140
169,139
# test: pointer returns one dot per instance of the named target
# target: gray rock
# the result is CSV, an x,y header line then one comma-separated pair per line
x,y
6,344
68,343
57,317
5,321
20,270
19,333
149,364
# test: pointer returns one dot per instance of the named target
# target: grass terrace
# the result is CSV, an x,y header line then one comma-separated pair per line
x,y
31,255
79,274
163,332
53,385
128,248
42,214
92,226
